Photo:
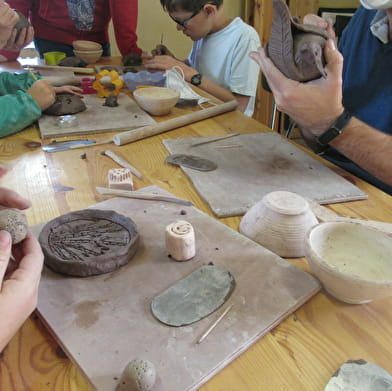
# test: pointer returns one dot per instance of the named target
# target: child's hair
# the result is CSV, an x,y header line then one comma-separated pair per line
x,y
188,5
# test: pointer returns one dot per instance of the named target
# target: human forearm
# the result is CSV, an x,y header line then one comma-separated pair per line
x,y
367,147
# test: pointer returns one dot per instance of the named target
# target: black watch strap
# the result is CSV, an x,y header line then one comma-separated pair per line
x,y
196,79
335,130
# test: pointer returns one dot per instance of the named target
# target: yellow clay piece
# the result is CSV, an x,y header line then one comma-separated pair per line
x,y
102,90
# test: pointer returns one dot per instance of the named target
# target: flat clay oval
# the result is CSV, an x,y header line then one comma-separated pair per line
x,y
194,297
191,161
88,242
66,104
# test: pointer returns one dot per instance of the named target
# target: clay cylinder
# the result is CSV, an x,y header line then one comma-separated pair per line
x,y
180,240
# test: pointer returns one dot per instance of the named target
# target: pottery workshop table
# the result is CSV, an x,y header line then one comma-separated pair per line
x,y
301,353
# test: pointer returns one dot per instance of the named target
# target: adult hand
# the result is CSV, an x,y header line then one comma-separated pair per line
x,y
314,105
43,93
19,288
8,18
326,25
10,198
69,90
17,41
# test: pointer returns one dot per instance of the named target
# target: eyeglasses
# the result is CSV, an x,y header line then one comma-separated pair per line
x,y
183,23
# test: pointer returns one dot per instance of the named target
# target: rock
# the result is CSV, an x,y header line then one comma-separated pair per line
x,y
14,221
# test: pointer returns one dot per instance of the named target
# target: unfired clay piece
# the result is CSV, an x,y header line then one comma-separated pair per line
x,y
191,161
21,23
296,49
66,104
194,297
132,59
111,101
14,221
180,240
138,375
88,242
72,62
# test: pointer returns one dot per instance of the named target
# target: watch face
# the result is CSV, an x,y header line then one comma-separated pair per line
x,y
196,79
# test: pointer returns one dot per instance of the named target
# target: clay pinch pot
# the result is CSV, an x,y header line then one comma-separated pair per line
x,y
352,261
279,222
90,56
296,49
66,104
86,45
156,100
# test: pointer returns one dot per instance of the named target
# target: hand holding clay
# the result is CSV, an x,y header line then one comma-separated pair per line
x,y
164,63
161,50
69,90
8,18
43,93
314,105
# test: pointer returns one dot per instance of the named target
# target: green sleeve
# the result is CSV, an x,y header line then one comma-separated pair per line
x,y
18,110
10,82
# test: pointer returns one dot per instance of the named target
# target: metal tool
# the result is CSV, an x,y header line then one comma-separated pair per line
x,y
56,146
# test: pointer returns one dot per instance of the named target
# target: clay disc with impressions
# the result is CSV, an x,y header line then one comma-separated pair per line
x,y
88,242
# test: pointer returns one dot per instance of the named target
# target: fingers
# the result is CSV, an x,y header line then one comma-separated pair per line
x,y
11,199
31,259
334,60
8,17
5,253
70,90
43,93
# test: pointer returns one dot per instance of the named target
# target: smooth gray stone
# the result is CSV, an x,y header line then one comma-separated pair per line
x,y
194,297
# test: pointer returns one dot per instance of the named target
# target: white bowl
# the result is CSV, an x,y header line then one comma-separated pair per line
x,y
156,100
90,56
279,222
86,45
353,262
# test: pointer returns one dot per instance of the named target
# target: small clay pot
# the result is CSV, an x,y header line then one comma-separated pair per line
x,y
279,222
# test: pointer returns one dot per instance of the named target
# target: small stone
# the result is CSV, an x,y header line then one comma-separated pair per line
x,y
14,222
138,375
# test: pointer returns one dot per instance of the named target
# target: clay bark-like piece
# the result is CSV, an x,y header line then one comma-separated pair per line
x,y
191,161
296,49
180,240
194,297
88,242
66,104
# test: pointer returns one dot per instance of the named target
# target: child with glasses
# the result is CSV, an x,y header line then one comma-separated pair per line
x,y
219,61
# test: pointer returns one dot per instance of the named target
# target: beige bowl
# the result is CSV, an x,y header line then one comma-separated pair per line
x,y
90,56
86,45
279,222
156,100
353,262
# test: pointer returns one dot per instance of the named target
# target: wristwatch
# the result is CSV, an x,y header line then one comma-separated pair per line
x,y
335,130
196,79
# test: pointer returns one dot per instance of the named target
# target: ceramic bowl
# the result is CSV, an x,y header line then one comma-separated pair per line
x,y
156,100
352,261
86,45
279,222
90,56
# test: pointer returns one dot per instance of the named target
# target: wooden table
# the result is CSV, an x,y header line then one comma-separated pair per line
x,y
301,353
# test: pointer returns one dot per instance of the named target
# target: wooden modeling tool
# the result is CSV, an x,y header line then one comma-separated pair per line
x,y
142,196
209,330
214,139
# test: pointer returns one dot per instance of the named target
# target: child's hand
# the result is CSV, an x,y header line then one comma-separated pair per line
x,y
69,90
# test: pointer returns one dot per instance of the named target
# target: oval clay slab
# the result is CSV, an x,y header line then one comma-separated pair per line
x,y
194,297
191,161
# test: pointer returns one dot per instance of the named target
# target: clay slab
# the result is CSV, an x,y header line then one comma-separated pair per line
x,y
105,321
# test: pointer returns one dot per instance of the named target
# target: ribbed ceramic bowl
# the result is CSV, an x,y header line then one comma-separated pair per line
x,y
86,45
279,222
352,261
90,56
156,100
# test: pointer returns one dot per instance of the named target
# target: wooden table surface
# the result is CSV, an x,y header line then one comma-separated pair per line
x,y
301,353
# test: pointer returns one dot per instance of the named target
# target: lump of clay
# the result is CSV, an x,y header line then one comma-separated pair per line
x,y
66,104
296,49
21,23
13,221
138,375
132,59
72,62
111,101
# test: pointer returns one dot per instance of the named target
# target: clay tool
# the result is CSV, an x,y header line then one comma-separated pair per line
x,y
33,75
57,146
122,163
215,139
209,330
142,196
